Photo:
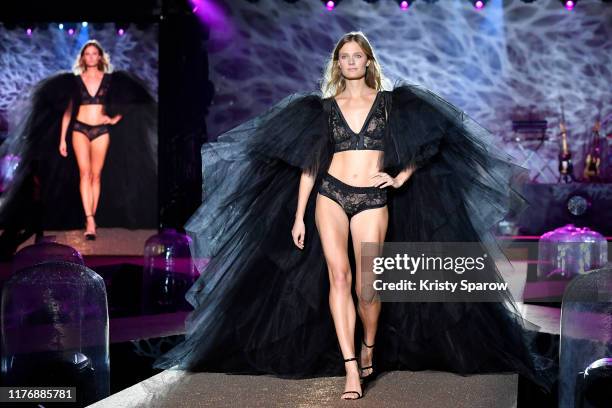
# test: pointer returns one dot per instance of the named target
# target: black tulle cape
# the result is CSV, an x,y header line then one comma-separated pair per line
x,y
261,304
129,178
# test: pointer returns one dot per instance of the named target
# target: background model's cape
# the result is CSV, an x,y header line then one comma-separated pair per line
x,y
129,177
261,304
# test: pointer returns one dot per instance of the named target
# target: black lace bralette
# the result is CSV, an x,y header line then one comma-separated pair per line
x,y
371,135
99,97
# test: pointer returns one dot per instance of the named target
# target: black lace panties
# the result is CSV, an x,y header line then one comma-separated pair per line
x,y
91,131
352,199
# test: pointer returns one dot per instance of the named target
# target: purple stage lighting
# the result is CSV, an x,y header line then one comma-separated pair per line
x,y
212,14
330,5
120,31
569,5
29,32
404,5
479,4
70,31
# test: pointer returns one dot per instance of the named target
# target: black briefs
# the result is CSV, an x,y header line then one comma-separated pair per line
x,y
91,131
352,199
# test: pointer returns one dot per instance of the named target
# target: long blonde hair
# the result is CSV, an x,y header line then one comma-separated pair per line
x,y
104,64
333,83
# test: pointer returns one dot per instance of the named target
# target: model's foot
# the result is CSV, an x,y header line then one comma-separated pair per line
x,y
90,226
367,353
352,381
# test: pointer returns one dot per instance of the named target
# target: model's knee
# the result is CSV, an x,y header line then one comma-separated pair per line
x,y
340,276
95,176
86,175
366,298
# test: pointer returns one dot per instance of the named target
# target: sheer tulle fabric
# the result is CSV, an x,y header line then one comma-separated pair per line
x,y
261,304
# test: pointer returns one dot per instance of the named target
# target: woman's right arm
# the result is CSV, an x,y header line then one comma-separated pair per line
x,y
65,123
299,230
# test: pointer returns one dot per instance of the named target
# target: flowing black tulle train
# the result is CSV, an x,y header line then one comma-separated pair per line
x,y
261,304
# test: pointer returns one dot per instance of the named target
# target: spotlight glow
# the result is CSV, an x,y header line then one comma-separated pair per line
x,y
214,16
569,5
29,32
404,5
120,31
479,4
70,31
84,24
330,5
60,26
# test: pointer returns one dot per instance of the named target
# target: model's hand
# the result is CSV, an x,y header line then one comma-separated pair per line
x,y
383,180
115,119
298,232
62,148
107,120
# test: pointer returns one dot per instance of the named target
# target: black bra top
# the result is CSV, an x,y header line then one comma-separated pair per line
x,y
99,97
371,135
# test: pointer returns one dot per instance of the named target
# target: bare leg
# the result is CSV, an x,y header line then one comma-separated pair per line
x,y
81,146
98,149
333,226
368,226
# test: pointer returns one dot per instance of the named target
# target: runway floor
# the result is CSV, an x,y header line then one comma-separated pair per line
x,y
425,389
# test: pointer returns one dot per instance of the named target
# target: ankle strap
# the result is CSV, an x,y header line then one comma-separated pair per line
x,y
350,359
366,344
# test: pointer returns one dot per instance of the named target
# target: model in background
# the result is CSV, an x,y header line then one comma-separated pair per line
x,y
88,142
90,131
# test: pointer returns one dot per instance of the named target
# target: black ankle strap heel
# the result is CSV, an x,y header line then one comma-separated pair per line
x,y
88,235
373,373
352,392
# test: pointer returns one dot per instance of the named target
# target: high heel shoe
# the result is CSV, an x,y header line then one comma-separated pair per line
x,y
88,235
374,372
352,392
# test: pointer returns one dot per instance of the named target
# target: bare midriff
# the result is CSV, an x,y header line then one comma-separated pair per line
x,y
91,114
356,167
